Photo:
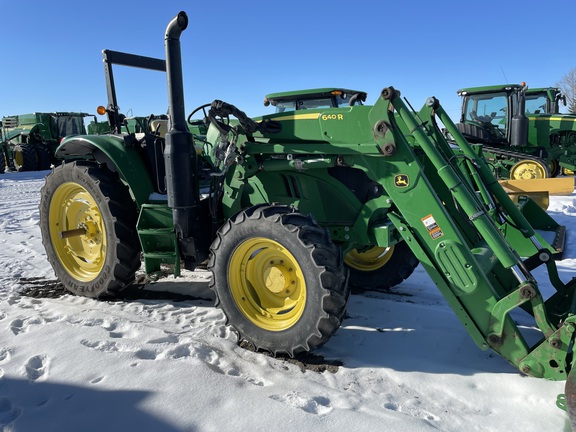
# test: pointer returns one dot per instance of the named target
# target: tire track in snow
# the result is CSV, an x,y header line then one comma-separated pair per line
x,y
21,249
123,324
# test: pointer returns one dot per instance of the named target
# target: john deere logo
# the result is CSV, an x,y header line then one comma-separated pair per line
x,y
401,180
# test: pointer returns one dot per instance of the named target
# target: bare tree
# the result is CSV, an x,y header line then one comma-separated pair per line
x,y
568,86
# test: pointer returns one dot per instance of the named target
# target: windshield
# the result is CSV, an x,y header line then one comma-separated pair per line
x,y
484,108
285,106
344,99
69,125
536,104
316,102
303,104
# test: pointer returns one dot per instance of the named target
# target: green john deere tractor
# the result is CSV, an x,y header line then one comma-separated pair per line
x,y
278,207
29,140
522,132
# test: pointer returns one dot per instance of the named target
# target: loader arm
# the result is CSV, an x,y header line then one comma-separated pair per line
x,y
480,273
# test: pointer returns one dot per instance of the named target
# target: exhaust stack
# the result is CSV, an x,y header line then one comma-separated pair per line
x,y
179,155
519,122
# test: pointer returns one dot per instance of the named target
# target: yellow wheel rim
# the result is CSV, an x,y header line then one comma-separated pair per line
x,y
554,166
18,158
369,260
527,170
267,284
81,255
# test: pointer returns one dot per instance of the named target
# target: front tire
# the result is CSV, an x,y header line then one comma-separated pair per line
x,y
24,157
379,269
279,279
88,224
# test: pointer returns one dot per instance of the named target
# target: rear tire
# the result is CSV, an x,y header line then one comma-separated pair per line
x,y
279,279
2,161
379,269
104,258
44,157
24,157
554,168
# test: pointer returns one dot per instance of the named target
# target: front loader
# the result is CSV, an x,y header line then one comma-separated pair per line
x,y
296,205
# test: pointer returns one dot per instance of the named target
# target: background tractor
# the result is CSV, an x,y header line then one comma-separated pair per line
x,y
545,100
29,140
521,130
275,206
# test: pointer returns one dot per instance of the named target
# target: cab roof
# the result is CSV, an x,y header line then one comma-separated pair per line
x,y
488,89
542,90
310,93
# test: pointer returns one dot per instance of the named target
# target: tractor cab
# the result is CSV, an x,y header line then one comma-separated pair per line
x,y
544,100
506,114
314,99
487,112
521,130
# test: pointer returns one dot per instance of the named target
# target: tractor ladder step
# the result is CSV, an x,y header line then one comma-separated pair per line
x,y
157,237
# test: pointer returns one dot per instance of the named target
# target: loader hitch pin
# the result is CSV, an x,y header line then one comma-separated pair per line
x,y
72,233
527,292
544,256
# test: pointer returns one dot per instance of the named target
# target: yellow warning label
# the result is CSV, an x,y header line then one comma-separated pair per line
x,y
432,227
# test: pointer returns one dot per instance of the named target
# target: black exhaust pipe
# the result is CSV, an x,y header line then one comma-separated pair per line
x,y
519,123
174,72
179,154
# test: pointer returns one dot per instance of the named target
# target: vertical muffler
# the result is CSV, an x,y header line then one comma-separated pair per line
x,y
519,122
179,155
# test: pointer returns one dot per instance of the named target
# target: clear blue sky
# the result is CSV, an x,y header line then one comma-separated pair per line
x,y
239,51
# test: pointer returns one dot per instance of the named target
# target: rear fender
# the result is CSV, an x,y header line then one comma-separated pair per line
x,y
112,151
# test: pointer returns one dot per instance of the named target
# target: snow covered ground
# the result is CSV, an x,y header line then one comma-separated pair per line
x,y
156,362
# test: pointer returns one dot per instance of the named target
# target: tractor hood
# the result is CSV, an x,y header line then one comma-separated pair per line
x,y
551,127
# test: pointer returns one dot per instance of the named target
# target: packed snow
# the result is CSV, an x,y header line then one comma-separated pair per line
x,y
162,359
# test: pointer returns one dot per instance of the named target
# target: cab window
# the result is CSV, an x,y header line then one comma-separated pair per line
x,y
314,103
285,106
487,109
536,104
